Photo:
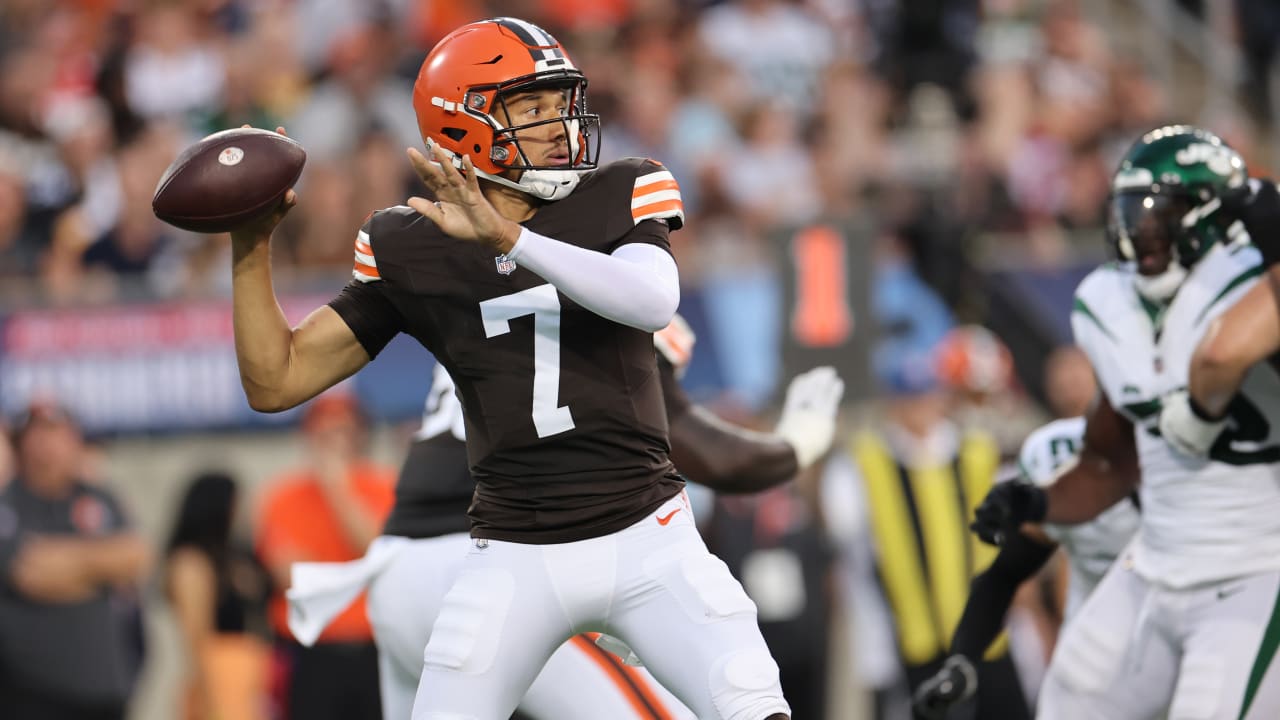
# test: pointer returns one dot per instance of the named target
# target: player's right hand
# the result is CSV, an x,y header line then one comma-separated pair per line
x,y
1259,210
955,682
262,227
1005,509
461,209
808,419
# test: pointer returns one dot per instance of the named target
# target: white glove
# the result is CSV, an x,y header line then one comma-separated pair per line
x,y
1185,429
675,342
808,419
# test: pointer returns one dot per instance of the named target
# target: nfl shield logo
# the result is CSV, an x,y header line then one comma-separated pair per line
x,y
505,266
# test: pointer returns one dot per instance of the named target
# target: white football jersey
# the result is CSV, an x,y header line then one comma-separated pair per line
x,y
1090,547
1202,520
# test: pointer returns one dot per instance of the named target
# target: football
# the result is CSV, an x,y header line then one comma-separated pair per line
x,y
227,179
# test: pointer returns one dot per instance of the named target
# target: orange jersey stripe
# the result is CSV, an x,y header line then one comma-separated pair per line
x,y
369,270
364,248
664,206
643,190
612,668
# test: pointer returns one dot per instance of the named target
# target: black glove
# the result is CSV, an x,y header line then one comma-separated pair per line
x,y
1006,507
955,682
1259,209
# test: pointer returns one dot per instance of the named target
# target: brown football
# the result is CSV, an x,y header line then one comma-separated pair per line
x,y
227,179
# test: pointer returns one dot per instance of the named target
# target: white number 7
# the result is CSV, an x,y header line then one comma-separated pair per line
x,y
543,303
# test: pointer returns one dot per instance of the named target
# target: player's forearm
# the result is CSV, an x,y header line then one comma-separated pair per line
x,y
263,337
1087,489
637,286
992,592
1243,336
728,458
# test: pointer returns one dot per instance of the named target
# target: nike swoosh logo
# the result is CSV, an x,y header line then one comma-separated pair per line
x,y
667,518
1224,593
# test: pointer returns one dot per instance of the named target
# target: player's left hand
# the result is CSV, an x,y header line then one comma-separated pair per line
x,y
1186,427
1259,210
955,682
461,209
808,419
1006,507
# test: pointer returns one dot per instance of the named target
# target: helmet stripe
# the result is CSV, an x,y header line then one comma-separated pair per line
x,y
541,45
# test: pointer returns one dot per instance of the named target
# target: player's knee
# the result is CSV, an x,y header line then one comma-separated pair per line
x,y
745,685
466,635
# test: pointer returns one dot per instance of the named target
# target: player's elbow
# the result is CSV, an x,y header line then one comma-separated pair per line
x,y
661,308
265,400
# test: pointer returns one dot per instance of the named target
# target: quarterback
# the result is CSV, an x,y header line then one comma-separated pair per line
x,y
409,569
537,280
1186,622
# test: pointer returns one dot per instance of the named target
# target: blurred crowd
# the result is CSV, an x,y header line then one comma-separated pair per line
x,y
945,142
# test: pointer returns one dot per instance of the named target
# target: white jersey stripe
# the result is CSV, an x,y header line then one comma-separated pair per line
x,y
653,197
653,178
661,214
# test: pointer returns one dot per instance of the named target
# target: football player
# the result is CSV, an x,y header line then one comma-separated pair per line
x,y
424,541
1186,622
1090,549
1240,338
537,280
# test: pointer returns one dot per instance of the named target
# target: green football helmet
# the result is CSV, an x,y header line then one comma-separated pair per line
x,y
1163,213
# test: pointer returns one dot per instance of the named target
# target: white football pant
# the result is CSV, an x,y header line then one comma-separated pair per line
x,y
580,682
653,585
1136,651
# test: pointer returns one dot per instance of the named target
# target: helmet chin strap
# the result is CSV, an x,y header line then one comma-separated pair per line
x,y
542,184
1161,288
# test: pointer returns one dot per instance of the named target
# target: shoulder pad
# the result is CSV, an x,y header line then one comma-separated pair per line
x,y
383,225
652,190
1049,448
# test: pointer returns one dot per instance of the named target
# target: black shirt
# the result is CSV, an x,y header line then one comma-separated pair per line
x,y
83,651
611,467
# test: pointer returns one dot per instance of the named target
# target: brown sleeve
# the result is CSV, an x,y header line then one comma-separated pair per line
x,y
722,456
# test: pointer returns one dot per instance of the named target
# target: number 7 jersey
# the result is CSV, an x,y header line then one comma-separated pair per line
x,y
1202,520
565,422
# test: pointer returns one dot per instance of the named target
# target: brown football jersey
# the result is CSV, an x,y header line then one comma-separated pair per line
x,y
565,422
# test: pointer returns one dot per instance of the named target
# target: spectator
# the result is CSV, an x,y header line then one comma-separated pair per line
x,y
69,565
329,510
897,507
219,594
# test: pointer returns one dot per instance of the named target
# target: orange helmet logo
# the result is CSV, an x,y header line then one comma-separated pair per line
x,y
461,91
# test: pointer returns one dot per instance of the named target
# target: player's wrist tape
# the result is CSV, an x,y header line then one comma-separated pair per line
x,y
1202,413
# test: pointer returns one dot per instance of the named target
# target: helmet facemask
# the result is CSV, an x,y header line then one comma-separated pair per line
x,y
509,152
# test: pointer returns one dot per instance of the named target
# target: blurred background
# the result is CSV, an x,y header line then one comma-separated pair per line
x,y
907,189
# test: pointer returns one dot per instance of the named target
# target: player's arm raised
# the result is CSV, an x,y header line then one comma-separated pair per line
x,y
1250,330
637,285
281,366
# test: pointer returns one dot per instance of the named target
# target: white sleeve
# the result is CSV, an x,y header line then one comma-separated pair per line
x,y
637,285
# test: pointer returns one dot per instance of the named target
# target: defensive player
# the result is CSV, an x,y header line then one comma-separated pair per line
x,y
537,282
425,540
1090,549
1186,622
1243,336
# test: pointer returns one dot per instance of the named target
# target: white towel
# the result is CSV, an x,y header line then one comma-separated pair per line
x,y
320,591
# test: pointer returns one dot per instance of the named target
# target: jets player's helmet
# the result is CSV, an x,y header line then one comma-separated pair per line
x,y
461,93
1163,212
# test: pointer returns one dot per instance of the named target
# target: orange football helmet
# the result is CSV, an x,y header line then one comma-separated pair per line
x,y
974,359
468,75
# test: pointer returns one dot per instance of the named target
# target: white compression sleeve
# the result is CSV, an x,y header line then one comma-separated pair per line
x,y
637,285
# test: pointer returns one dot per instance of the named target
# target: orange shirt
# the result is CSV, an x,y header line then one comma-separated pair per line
x,y
297,522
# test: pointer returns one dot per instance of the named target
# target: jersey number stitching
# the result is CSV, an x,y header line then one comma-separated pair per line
x,y
543,303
